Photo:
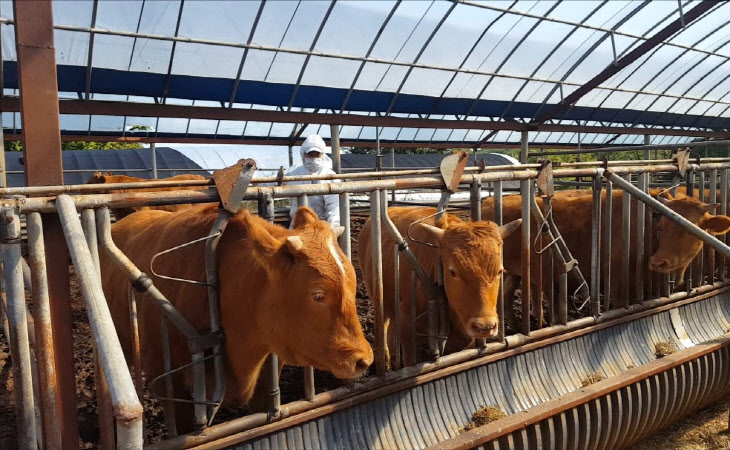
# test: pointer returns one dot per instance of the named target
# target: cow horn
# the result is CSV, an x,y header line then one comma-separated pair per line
x,y
506,230
710,206
435,232
663,200
294,243
338,230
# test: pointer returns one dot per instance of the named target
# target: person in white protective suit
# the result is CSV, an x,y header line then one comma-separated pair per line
x,y
316,162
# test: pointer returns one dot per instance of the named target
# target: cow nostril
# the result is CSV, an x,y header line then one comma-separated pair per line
x,y
362,364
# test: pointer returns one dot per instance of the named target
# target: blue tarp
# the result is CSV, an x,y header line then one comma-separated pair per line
x,y
120,82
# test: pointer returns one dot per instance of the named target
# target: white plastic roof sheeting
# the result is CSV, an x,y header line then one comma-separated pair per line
x,y
535,52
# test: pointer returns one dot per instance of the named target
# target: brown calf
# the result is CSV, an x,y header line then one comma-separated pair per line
x,y
471,255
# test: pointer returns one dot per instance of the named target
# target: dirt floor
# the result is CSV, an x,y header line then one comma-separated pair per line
x,y
705,429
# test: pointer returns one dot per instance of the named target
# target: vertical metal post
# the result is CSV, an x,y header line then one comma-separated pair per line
x,y
18,324
168,405
699,260
291,155
396,310
43,167
723,210
103,399
309,390
596,248
525,247
626,257
344,240
377,248
537,309
497,194
690,193
475,196
271,366
643,183
392,164
710,251
414,312
136,349
44,339
153,149
607,224
525,253
524,148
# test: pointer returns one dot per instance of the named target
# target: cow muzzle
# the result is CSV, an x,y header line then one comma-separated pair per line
x,y
483,327
662,265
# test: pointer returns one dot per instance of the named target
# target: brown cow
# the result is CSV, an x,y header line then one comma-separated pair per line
x,y
571,212
289,292
119,213
471,255
677,247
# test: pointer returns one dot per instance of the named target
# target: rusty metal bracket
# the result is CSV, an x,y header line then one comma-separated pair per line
x,y
10,231
482,164
452,167
206,341
545,186
232,183
682,160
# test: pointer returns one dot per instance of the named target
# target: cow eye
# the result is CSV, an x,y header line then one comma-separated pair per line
x,y
318,297
452,272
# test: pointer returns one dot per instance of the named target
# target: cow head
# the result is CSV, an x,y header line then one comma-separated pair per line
x,y
307,313
677,247
98,178
472,262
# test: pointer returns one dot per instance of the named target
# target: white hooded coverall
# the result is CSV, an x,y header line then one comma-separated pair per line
x,y
327,207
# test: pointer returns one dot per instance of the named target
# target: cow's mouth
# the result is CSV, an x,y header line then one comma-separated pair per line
x,y
661,265
483,328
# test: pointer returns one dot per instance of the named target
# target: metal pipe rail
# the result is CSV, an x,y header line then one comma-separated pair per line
x,y
126,200
127,407
81,188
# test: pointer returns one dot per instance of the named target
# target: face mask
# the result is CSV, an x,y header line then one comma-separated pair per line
x,y
313,164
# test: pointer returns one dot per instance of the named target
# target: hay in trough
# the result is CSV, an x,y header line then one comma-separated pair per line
x,y
483,416
592,378
664,348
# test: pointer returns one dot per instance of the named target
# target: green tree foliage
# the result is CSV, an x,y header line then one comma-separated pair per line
x,y
400,151
17,146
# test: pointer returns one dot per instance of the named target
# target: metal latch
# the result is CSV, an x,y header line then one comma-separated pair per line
x,y
545,186
232,183
206,341
452,167
682,160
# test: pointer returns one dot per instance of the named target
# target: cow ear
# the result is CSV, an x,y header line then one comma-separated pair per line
x,y
304,217
338,230
506,230
665,197
710,206
265,246
716,224
433,234
108,174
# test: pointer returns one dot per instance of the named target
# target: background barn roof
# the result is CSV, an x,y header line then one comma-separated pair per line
x,y
79,165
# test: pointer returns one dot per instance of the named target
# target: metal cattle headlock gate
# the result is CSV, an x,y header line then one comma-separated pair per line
x,y
234,185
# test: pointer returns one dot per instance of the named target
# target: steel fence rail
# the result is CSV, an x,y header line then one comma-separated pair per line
x,y
128,410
